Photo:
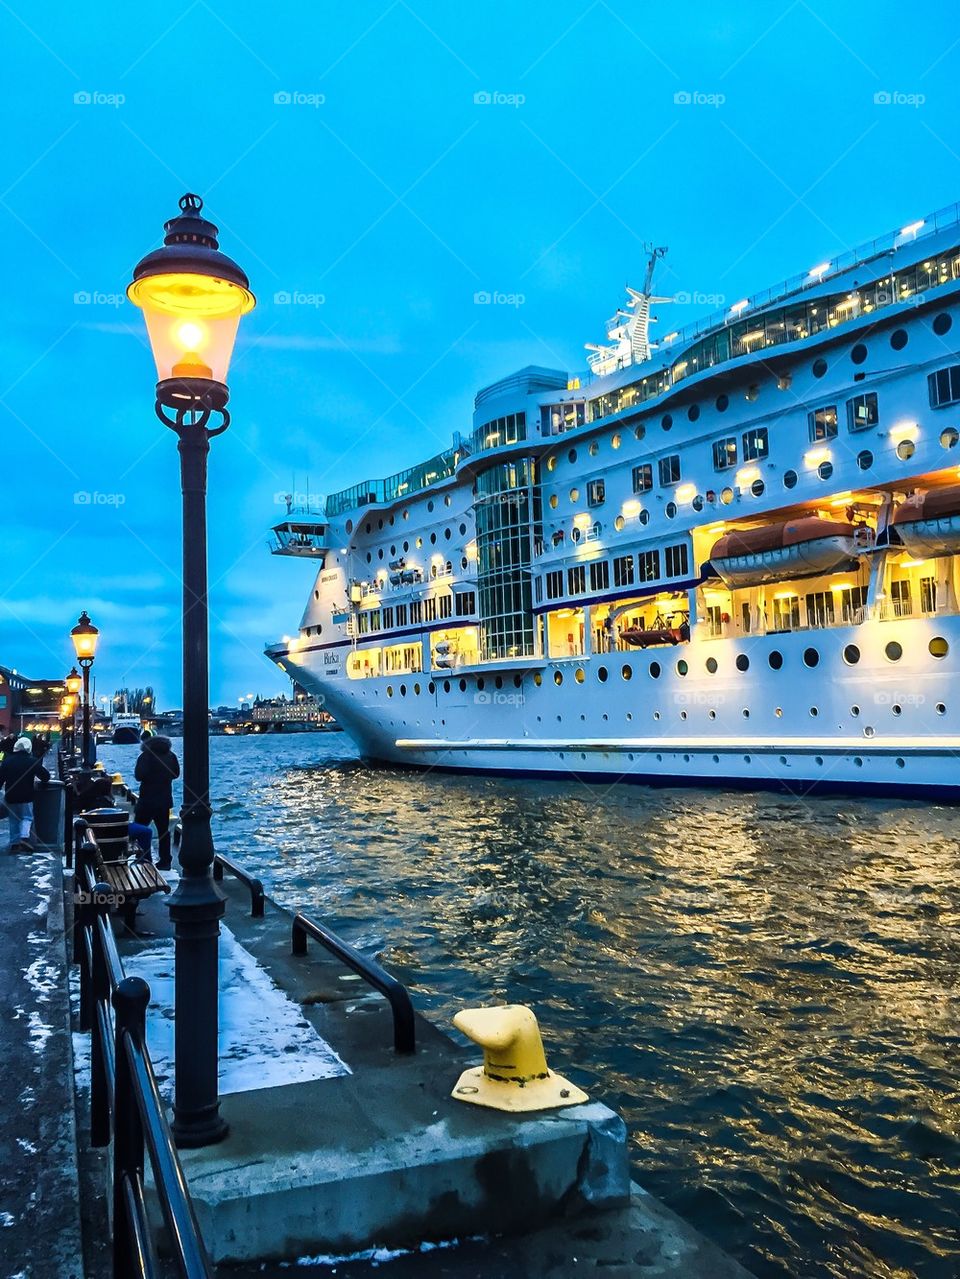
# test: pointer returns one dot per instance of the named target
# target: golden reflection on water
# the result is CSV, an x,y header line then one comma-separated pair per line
x,y
766,987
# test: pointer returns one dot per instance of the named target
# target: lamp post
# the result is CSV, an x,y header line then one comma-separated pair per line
x,y
85,636
72,684
192,297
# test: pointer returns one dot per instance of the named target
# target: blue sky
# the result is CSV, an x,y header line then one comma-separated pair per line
x,y
343,154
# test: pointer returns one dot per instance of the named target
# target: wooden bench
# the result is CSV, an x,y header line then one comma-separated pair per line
x,y
131,881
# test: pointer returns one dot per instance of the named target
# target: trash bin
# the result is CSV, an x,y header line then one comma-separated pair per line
x,y
48,804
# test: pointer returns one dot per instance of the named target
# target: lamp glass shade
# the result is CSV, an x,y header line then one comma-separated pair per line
x,y
73,682
85,636
192,322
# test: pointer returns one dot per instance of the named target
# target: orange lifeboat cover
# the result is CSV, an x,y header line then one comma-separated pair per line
x,y
773,537
934,504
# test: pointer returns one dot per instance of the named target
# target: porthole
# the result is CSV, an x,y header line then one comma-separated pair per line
x,y
819,367
447,499
369,557
666,421
644,516
498,682
942,323
723,403
898,339
554,501
481,683
938,646
859,353
778,712
594,448
775,659
900,762
537,678
578,675
814,711
743,662
783,759
602,674
558,678
894,651
818,759
574,495
656,715
430,505
858,761
712,714
639,432
865,460
380,522
752,392
682,667
746,758
851,655
683,715
716,759
693,412
575,535
446,686
855,712
626,672
316,595
447,533
757,487
552,462
897,710
906,450
616,441
697,502
379,552
941,709
393,550
726,496
745,713
572,456
517,681
618,524
949,437
670,510
389,690
784,381
463,686
811,657
463,561
463,529
419,543
654,670
825,470
789,479
406,515
403,690
431,688
711,664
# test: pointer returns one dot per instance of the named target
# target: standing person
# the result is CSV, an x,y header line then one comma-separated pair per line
x,y
18,772
156,768
8,741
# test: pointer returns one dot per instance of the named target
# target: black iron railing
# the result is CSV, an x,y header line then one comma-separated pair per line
x,y
257,897
400,1005
124,1099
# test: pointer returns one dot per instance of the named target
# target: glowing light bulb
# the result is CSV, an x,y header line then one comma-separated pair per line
x,y
191,338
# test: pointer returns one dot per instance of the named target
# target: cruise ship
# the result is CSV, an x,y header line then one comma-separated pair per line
x,y
724,556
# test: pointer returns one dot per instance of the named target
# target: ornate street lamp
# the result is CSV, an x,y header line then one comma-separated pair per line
x,y
72,683
192,297
85,636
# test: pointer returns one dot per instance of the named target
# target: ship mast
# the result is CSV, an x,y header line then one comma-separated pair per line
x,y
628,332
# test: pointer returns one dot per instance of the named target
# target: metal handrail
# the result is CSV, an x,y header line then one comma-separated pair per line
x,y
257,896
125,1101
404,1035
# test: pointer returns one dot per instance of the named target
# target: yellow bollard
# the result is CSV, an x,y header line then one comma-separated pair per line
x,y
514,1075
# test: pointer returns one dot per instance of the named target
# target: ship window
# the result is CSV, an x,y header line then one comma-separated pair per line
x,y
898,339
900,595
644,517
615,441
859,353
938,646
465,603
648,564
558,678
789,479
626,672
825,470
552,462
697,502
594,448
401,614
639,432
940,708
669,469
574,495
822,423
811,657
654,670
855,711
555,584
906,450
623,570
725,453
944,386
599,576
776,657
949,437
726,496
572,456
618,523
643,478
819,367
757,488
430,608
577,579
682,667
675,561
670,510
596,492
942,323
894,651
462,685
693,412
865,460
723,403
387,618
851,655
666,421
863,411
554,501
756,444
743,662
602,674
752,392
712,665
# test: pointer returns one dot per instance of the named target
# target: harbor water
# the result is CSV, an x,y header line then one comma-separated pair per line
x,y
768,989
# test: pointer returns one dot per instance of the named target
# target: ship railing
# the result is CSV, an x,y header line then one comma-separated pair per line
x,y
125,1103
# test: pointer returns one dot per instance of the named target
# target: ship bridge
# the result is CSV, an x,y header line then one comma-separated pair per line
x,y
304,534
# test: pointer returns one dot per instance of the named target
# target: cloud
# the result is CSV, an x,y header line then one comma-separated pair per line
x,y
385,345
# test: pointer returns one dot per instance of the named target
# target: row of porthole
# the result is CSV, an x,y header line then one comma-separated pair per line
x,y
368,527
447,534
856,760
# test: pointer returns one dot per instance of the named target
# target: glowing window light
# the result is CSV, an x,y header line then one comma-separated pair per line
x,y
686,493
913,227
740,306
904,431
747,474
816,272
813,457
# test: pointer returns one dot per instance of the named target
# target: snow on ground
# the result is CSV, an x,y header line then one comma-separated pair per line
x,y
264,1038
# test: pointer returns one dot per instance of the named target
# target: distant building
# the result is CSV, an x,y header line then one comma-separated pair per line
x,y
278,713
29,705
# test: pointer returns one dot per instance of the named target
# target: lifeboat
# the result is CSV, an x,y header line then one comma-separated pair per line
x,y
641,637
804,547
928,524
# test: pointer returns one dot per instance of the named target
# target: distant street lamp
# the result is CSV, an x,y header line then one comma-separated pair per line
x,y
192,297
72,683
85,636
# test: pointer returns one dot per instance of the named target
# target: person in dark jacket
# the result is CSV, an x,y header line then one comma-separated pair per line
x,y
18,772
156,768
